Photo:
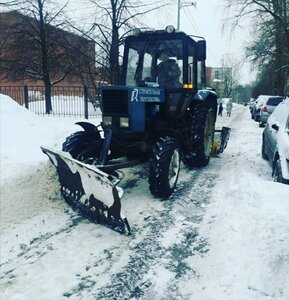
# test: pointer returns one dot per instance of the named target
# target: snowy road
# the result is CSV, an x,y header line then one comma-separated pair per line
x,y
188,247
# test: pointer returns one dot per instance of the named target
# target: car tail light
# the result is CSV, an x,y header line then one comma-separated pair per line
x,y
264,109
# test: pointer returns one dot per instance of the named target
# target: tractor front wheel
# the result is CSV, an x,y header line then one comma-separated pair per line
x,y
83,145
164,167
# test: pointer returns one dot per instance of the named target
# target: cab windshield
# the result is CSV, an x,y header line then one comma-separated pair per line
x,y
155,62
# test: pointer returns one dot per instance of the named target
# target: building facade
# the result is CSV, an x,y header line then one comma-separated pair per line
x,y
68,58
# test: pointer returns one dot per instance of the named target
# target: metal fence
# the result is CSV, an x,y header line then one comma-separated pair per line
x,y
65,100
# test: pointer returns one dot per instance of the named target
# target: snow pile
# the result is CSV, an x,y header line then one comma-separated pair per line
x,y
247,228
22,133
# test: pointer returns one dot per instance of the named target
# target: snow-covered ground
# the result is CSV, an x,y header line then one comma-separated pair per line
x,y
222,235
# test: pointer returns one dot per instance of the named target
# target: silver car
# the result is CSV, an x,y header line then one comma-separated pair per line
x,y
275,142
267,107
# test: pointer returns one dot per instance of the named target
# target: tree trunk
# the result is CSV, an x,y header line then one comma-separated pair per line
x,y
114,49
44,53
114,53
48,103
281,47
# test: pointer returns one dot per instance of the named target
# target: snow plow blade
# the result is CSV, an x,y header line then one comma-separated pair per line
x,y
89,190
220,144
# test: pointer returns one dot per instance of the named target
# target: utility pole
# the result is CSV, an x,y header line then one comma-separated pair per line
x,y
182,4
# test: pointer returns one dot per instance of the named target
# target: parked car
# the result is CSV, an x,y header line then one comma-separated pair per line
x,y
257,106
275,142
266,108
251,105
251,102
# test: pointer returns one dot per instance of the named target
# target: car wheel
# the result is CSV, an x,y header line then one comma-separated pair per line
x,y
263,153
277,173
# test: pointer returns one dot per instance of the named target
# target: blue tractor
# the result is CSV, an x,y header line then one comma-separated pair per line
x,y
161,113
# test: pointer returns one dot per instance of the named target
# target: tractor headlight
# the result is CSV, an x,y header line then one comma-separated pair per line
x,y
124,122
170,29
107,120
136,32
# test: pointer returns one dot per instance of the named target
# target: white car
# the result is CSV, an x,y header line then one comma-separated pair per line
x,y
267,107
275,142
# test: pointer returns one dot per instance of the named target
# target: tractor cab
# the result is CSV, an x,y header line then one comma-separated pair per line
x,y
164,58
162,72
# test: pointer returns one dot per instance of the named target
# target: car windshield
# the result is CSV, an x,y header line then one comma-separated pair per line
x,y
274,101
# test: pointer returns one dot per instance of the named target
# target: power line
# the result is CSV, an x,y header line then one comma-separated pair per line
x,y
196,28
191,20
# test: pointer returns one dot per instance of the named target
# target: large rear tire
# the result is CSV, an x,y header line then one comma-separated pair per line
x,y
164,167
83,145
202,136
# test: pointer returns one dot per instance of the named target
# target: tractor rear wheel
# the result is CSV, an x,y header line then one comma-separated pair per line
x,y
82,145
202,136
164,167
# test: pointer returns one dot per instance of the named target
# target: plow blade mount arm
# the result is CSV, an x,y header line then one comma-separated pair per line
x,y
222,137
89,190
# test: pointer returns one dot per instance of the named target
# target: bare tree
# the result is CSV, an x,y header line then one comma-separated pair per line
x,y
36,47
242,93
114,21
11,3
231,77
265,83
271,20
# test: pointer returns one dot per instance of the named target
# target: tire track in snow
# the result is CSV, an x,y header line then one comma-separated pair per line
x,y
129,283
36,248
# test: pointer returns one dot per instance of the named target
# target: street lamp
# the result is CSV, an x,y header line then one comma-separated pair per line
x,y
182,4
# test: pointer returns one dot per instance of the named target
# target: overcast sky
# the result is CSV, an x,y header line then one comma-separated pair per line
x,y
206,19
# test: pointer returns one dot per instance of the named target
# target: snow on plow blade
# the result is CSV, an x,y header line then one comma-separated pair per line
x,y
220,144
89,190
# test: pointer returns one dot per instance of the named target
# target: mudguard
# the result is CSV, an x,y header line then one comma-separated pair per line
x,y
91,191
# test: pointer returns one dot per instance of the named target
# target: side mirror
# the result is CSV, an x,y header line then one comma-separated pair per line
x,y
201,50
275,126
